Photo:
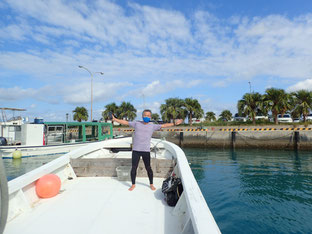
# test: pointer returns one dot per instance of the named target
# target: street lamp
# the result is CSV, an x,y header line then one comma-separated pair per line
x,y
91,83
143,100
249,86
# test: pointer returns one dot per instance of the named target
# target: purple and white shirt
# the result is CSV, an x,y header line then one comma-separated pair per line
x,y
143,134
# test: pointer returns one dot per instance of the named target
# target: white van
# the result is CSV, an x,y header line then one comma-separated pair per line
x,y
284,119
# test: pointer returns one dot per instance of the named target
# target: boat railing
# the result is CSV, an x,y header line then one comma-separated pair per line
x,y
4,197
200,217
22,194
30,177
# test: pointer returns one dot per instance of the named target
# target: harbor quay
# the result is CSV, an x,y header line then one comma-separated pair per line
x,y
264,137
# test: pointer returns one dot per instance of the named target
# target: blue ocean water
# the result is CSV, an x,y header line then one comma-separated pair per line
x,y
18,167
247,191
256,191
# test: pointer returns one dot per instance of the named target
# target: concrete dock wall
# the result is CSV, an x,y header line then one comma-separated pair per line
x,y
292,138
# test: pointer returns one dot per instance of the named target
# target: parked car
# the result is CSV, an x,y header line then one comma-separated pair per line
x,y
309,117
284,119
258,117
296,120
239,118
195,120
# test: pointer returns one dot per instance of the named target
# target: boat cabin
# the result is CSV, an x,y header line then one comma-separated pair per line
x,y
71,132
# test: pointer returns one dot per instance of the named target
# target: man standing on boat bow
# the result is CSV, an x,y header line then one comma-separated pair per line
x,y
141,143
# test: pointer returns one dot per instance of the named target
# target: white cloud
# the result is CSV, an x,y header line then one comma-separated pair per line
x,y
13,32
305,84
78,93
161,49
48,94
158,87
52,116
72,43
216,106
153,106
81,93
152,40
15,93
162,23
220,83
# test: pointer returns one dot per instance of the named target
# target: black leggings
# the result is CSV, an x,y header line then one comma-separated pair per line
x,y
147,162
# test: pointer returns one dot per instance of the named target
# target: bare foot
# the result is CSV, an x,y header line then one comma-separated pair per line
x,y
132,187
152,187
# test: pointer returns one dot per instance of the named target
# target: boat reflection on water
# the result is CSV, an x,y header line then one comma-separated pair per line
x,y
17,162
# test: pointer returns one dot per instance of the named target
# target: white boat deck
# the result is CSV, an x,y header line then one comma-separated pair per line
x,y
100,205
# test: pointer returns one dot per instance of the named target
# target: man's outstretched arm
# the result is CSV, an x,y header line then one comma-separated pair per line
x,y
121,121
167,125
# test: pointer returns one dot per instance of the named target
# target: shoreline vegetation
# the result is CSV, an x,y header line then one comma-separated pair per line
x,y
254,108
214,125
282,136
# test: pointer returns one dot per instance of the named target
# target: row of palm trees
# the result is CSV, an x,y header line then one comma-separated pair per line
x,y
174,108
125,111
274,100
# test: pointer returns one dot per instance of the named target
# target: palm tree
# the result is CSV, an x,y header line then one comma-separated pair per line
x,y
277,101
210,116
302,103
113,108
155,116
193,109
173,109
127,111
81,113
295,113
249,105
226,114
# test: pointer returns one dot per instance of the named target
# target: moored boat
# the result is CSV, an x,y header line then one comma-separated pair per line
x,y
93,200
53,138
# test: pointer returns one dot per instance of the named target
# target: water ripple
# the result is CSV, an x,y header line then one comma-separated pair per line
x,y
256,191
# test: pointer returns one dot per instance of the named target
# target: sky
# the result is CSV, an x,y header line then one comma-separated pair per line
x,y
149,51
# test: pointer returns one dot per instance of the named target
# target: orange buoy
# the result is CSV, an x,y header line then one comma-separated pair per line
x,y
48,186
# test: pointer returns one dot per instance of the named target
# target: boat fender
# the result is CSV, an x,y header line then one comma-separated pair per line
x,y
48,186
3,141
17,154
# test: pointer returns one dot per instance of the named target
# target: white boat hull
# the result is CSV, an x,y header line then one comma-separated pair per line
x,y
104,204
32,151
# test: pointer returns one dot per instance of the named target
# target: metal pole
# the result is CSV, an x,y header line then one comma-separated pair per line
x,y
91,94
143,101
91,85
91,74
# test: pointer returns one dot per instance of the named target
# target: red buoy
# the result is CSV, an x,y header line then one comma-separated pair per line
x,y
48,186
